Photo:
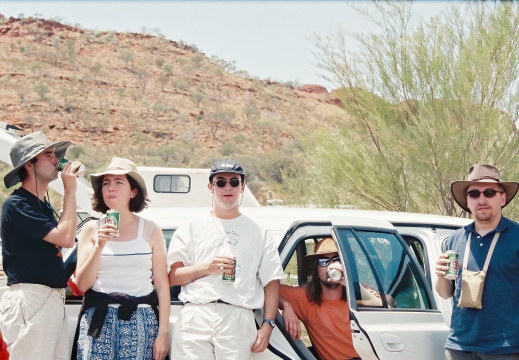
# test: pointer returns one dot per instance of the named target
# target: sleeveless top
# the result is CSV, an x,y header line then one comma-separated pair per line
x,y
126,266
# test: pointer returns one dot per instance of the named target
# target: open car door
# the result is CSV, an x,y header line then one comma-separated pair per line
x,y
407,325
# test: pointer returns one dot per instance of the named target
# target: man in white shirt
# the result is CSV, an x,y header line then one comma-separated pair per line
x,y
227,266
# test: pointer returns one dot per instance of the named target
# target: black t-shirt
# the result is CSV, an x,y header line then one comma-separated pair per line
x,y
27,258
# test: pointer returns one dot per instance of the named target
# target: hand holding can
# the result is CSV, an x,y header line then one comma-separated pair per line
x,y
334,274
232,276
453,266
113,217
60,165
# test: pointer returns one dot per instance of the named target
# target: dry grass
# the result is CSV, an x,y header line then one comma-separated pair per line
x,y
156,101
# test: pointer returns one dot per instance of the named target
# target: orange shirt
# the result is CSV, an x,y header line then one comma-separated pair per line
x,y
328,325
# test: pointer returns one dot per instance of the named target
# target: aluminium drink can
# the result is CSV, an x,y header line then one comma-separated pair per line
x,y
334,274
230,277
61,164
113,217
453,266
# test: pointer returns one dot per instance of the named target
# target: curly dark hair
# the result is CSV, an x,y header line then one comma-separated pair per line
x,y
314,288
137,204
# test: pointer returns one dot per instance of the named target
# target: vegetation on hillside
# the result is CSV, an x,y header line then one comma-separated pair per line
x,y
154,100
426,100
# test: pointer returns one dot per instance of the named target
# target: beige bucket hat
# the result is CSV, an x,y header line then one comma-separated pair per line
x,y
121,166
481,173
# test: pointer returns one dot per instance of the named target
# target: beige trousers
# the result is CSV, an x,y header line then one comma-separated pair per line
x,y
33,322
213,331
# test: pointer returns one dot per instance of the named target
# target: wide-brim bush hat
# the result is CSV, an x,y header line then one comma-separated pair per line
x,y
226,166
324,246
121,166
27,148
482,173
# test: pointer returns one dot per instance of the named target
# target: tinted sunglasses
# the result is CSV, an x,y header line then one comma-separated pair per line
x,y
324,261
234,182
488,193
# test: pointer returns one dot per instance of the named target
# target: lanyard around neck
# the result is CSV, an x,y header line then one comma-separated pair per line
x,y
489,255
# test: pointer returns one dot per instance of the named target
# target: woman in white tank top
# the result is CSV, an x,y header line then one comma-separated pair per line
x,y
117,272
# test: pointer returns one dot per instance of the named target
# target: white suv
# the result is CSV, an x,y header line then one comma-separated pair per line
x,y
393,253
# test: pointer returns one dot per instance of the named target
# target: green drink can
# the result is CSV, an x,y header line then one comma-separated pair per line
x,y
453,265
230,277
113,217
61,164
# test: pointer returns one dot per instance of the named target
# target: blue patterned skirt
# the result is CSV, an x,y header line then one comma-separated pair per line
x,y
119,339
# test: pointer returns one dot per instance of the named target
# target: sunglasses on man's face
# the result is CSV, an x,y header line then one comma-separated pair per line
x,y
324,261
234,182
488,193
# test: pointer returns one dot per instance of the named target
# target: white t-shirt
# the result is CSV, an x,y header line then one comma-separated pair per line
x,y
257,259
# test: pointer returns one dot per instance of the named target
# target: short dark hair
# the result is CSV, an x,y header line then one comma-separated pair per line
x,y
137,204
22,173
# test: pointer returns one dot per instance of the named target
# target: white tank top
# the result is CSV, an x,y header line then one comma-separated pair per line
x,y
126,266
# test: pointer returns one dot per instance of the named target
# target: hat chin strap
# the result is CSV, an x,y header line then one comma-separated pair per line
x,y
44,199
36,184
35,180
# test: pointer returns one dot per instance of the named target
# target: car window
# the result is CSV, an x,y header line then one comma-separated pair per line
x,y
417,248
294,274
172,183
168,235
380,264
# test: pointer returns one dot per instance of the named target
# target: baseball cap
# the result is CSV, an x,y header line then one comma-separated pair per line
x,y
226,166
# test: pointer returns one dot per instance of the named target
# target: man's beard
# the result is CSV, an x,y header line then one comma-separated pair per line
x,y
483,217
330,285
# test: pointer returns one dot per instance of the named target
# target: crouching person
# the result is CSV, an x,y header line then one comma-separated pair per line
x,y
122,316
227,267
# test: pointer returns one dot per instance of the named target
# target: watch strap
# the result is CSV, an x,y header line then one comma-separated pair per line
x,y
269,321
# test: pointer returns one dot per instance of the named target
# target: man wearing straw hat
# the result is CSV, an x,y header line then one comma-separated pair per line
x,y
322,305
32,310
485,319
217,320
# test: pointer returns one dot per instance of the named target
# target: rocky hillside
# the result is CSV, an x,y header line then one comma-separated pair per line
x,y
154,100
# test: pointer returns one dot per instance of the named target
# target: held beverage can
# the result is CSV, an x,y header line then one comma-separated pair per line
x,y
232,277
113,217
334,274
453,265
62,162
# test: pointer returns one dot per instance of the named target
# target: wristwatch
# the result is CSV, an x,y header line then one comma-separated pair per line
x,y
269,321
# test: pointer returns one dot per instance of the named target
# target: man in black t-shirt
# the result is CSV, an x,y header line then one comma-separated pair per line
x,y
32,310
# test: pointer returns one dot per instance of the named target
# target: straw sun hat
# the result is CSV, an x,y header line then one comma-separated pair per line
x,y
481,173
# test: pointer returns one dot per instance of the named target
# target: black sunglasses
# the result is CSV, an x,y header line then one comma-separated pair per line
x,y
324,261
234,182
488,193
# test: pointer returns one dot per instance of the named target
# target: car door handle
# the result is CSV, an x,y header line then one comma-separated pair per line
x,y
392,342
